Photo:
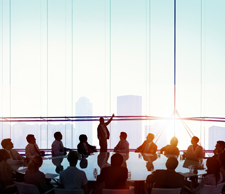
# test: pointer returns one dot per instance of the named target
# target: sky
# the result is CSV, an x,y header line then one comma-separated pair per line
x,y
54,52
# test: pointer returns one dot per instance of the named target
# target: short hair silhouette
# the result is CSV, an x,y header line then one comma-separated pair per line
x,y
221,143
171,163
4,155
35,163
151,135
116,160
83,138
174,141
57,134
5,142
72,157
101,120
194,138
124,135
29,137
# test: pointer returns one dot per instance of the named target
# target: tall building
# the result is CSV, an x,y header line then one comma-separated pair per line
x,y
215,134
84,108
129,105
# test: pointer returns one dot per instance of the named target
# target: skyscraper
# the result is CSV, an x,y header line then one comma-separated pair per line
x,y
129,105
84,108
215,134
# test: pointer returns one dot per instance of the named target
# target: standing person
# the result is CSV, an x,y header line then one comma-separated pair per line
x,y
57,146
103,133
15,157
123,145
148,145
32,148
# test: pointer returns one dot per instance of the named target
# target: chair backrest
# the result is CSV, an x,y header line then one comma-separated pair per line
x,y
69,191
209,189
25,188
117,191
166,191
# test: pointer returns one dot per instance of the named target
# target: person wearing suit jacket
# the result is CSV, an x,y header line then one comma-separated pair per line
x,y
148,145
103,133
84,147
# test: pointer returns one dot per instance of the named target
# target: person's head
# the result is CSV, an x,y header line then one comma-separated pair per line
x,y
194,140
220,145
150,137
123,136
4,155
83,138
58,136
7,144
171,163
35,164
72,158
116,160
101,120
174,141
31,139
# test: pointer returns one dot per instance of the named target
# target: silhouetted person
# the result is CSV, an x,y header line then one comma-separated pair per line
x,y
84,147
213,176
114,176
168,178
148,145
171,148
195,148
15,157
57,146
219,148
123,145
103,133
32,148
6,171
36,177
72,177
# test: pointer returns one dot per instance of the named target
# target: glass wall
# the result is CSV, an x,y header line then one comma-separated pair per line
x,y
95,58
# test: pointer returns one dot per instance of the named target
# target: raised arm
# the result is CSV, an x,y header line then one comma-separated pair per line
x,y
109,121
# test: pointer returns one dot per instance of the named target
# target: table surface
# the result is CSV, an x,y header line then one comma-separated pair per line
x,y
139,165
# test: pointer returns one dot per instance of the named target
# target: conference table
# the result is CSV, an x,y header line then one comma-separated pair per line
x,y
139,165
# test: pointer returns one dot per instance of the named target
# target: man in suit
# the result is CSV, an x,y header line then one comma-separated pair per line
x,y
148,145
103,133
166,178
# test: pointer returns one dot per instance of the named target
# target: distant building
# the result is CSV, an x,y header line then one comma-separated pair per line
x,y
215,134
129,105
84,108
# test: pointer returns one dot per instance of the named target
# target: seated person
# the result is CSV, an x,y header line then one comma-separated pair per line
x,y
221,160
84,147
123,145
15,157
114,176
57,146
32,148
36,177
168,178
195,148
148,145
6,172
72,177
219,148
213,176
172,148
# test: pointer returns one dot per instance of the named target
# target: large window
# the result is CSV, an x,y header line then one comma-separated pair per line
x,y
94,58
